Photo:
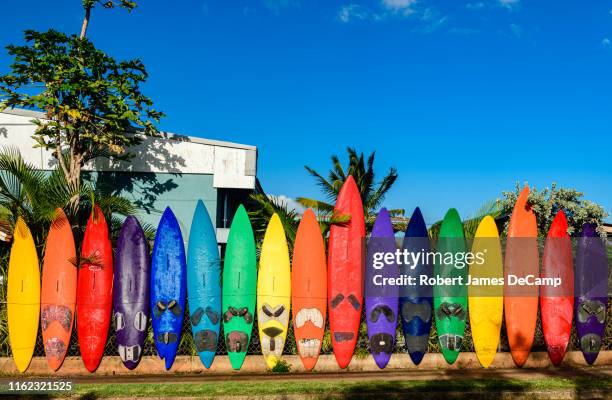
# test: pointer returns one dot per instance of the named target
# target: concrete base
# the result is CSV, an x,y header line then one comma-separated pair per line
x,y
73,366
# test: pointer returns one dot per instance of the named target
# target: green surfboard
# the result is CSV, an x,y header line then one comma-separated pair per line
x,y
450,300
239,288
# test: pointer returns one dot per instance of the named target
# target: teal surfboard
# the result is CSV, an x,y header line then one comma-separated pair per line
x,y
204,285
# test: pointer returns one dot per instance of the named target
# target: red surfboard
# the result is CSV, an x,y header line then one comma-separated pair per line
x,y
345,273
557,303
94,290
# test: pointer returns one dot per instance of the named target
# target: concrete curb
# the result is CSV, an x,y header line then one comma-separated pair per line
x,y
73,366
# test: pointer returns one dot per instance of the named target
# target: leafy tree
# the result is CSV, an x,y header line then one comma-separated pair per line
x,y
93,103
546,203
372,192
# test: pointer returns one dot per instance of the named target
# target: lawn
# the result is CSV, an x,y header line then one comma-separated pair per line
x,y
489,388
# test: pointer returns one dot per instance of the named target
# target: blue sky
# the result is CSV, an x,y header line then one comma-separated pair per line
x,y
464,98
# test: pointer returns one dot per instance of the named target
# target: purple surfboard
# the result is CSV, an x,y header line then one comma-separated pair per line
x,y
591,291
131,292
381,297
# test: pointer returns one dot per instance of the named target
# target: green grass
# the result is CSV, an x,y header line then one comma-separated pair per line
x,y
349,389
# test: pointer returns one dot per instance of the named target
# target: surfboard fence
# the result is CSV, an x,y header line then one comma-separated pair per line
x,y
187,346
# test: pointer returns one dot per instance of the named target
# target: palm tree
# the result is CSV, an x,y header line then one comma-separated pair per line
x,y
34,195
26,192
470,225
372,192
261,208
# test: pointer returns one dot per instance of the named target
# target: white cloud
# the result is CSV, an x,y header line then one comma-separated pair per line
x,y
353,12
289,202
432,20
404,7
385,9
425,20
475,6
606,42
509,3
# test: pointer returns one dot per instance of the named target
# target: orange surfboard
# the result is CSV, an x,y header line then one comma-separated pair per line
x,y
521,261
309,289
58,294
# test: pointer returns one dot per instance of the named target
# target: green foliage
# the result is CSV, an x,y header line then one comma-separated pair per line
x,y
546,203
34,195
94,103
362,348
4,342
262,207
129,5
372,192
326,344
29,193
470,225
281,367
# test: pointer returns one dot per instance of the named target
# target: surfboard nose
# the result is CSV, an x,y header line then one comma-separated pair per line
x,y
417,357
343,358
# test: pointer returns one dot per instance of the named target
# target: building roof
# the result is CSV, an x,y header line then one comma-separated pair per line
x,y
168,135
232,165
608,229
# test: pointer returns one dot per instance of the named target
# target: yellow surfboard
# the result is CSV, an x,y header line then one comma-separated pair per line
x,y
486,290
273,292
23,296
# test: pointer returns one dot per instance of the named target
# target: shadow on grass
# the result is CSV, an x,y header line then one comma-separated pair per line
x,y
566,385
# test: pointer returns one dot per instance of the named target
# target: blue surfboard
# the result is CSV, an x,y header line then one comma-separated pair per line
x,y
168,287
204,285
416,301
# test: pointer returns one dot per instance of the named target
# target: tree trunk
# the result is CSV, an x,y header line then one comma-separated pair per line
x,y
74,181
85,22
71,169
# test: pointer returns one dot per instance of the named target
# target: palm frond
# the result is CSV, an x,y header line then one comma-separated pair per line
x,y
377,197
326,186
20,185
320,207
397,212
339,219
337,172
362,170
262,207
470,225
